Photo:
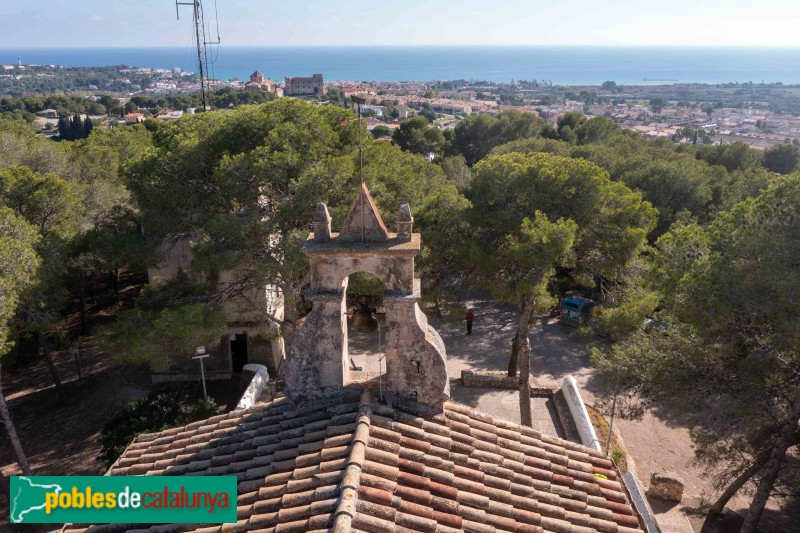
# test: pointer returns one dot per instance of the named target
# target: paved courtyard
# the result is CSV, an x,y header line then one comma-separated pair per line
x,y
365,351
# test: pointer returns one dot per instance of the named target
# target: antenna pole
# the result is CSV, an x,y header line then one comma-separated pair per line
x,y
361,170
358,101
360,146
196,6
200,41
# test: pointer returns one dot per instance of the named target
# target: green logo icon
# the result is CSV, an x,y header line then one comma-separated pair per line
x,y
123,499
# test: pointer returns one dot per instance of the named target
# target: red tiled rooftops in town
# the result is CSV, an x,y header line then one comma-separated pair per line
x,y
363,466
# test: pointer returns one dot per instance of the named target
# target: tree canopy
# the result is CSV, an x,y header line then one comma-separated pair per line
x,y
782,158
417,136
531,214
243,185
512,204
729,357
476,135
18,264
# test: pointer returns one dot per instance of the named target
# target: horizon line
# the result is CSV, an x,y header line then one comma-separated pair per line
x,y
485,45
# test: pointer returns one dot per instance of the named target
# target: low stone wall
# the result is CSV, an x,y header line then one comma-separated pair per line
x,y
498,379
489,379
163,377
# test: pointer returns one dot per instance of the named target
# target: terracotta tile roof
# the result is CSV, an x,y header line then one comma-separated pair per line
x,y
362,466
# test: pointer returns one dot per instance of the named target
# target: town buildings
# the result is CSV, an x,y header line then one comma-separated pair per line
x,y
133,118
259,83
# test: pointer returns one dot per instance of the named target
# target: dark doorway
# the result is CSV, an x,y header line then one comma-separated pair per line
x,y
239,352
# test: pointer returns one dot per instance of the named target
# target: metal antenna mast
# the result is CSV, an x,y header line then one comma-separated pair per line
x,y
358,101
200,42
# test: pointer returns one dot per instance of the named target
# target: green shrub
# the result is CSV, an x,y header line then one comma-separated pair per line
x,y
157,411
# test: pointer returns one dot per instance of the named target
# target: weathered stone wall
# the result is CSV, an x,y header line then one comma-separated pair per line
x,y
318,364
264,345
175,255
217,365
256,312
416,364
329,271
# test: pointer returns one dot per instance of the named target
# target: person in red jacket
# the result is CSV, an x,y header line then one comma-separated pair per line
x,y
469,317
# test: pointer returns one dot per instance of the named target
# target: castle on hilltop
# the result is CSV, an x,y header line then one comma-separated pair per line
x,y
304,85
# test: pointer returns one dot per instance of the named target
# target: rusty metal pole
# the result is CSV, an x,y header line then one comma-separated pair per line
x,y
611,424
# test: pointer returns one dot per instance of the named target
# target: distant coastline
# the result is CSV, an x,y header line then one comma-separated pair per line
x,y
562,65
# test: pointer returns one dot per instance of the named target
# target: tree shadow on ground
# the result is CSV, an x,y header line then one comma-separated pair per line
x,y
558,351
35,376
59,435
661,506
782,517
490,343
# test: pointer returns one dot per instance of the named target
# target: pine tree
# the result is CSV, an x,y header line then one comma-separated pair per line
x,y
76,128
64,128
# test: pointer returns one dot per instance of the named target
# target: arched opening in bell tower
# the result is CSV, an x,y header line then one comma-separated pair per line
x,y
366,327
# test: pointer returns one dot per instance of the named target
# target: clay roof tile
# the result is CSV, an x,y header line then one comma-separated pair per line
x,y
368,480
382,456
367,522
459,470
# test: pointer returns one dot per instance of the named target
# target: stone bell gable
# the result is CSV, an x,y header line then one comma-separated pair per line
x,y
364,222
318,362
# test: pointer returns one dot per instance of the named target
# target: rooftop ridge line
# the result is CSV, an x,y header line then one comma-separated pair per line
x,y
351,479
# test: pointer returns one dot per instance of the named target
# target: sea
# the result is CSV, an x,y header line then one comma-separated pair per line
x,y
560,65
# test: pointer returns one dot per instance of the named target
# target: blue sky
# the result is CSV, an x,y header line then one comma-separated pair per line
x,y
99,23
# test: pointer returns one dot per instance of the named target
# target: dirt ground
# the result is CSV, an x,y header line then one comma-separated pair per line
x,y
364,351
659,442
60,434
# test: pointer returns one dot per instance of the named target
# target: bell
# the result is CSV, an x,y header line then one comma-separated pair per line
x,y
364,321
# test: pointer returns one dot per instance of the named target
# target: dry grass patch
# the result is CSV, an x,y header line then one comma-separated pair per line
x,y
617,449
